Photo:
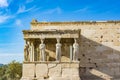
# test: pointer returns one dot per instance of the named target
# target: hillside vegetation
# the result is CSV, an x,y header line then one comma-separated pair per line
x,y
11,71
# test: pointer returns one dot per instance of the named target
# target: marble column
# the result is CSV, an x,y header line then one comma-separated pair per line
x,y
42,50
75,50
58,50
71,53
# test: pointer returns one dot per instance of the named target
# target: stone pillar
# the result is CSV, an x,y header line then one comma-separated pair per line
x,y
42,50
26,51
75,50
71,53
58,50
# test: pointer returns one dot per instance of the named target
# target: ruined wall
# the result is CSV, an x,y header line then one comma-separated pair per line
x,y
99,47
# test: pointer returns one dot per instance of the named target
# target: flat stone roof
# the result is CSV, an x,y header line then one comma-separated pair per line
x,y
73,22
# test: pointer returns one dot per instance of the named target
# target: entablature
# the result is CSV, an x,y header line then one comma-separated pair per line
x,y
28,34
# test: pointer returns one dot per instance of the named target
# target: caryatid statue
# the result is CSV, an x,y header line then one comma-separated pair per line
x,y
26,51
42,50
58,50
31,54
75,50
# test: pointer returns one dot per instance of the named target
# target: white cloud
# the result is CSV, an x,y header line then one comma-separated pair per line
x,y
54,10
11,54
4,18
8,57
22,9
3,3
18,22
81,10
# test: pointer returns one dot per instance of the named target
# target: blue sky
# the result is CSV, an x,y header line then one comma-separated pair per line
x,y
16,15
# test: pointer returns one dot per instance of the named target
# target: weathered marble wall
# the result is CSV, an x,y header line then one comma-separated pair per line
x,y
51,71
99,47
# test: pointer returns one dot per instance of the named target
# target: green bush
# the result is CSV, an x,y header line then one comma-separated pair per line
x,y
11,71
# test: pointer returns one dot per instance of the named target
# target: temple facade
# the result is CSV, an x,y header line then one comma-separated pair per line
x,y
72,51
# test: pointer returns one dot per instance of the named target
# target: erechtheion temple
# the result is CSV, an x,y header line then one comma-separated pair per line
x,y
88,50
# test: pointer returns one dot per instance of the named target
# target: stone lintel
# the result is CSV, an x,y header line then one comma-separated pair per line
x,y
29,34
